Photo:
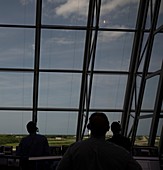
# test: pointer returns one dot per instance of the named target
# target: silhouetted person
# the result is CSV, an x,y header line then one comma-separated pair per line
x,y
118,138
96,153
32,145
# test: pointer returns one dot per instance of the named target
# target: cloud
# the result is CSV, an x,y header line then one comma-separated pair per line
x,y
56,1
59,40
71,7
62,40
25,2
111,5
111,36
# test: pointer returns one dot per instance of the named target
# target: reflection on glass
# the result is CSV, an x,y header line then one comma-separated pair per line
x,y
17,48
156,56
57,123
114,116
16,89
62,49
14,122
108,91
61,56
142,57
118,15
113,51
65,12
17,12
143,132
59,90
150,93
160,17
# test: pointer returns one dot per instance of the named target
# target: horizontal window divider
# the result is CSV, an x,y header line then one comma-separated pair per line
x,y
111,72
64,27
69,109
16,108
67,27
17,26
60,71
80,71
121,110
23,70
16,70
77,109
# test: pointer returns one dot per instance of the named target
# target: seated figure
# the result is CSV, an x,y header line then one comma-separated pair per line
x,y
118,138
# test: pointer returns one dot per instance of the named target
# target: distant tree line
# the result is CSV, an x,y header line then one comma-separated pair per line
x,y
6,139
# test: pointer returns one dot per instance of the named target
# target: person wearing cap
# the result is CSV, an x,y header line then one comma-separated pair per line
x,y
33,144
96,153
118,138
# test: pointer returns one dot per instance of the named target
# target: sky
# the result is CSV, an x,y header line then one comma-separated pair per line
x,y
64,49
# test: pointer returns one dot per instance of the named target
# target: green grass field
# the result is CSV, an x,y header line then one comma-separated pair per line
x,y
59,140
13,140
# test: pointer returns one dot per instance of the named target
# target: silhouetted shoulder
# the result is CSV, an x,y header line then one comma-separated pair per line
x,y
121,141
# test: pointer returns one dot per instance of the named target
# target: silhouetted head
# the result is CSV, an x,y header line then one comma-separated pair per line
x,y
115,127
98,124
31,127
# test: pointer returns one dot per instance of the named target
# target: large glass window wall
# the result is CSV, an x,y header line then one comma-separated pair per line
x,y
56,54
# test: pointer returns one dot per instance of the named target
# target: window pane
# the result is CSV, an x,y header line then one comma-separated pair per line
x,y
114,116
156,56
114,51
150,93
119,14
160,17
57,123
17,48
160,127
17,12
143,131
130,125
108,91
65,12
59,90
16,89
142,60
14,122
62,49
144,127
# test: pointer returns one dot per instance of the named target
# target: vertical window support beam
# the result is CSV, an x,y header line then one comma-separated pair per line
x,y
157,110
91,62
89,59
136,51
145,69
36,59
85,71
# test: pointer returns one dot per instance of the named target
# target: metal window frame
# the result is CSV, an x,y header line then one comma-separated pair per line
x,y
92,28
